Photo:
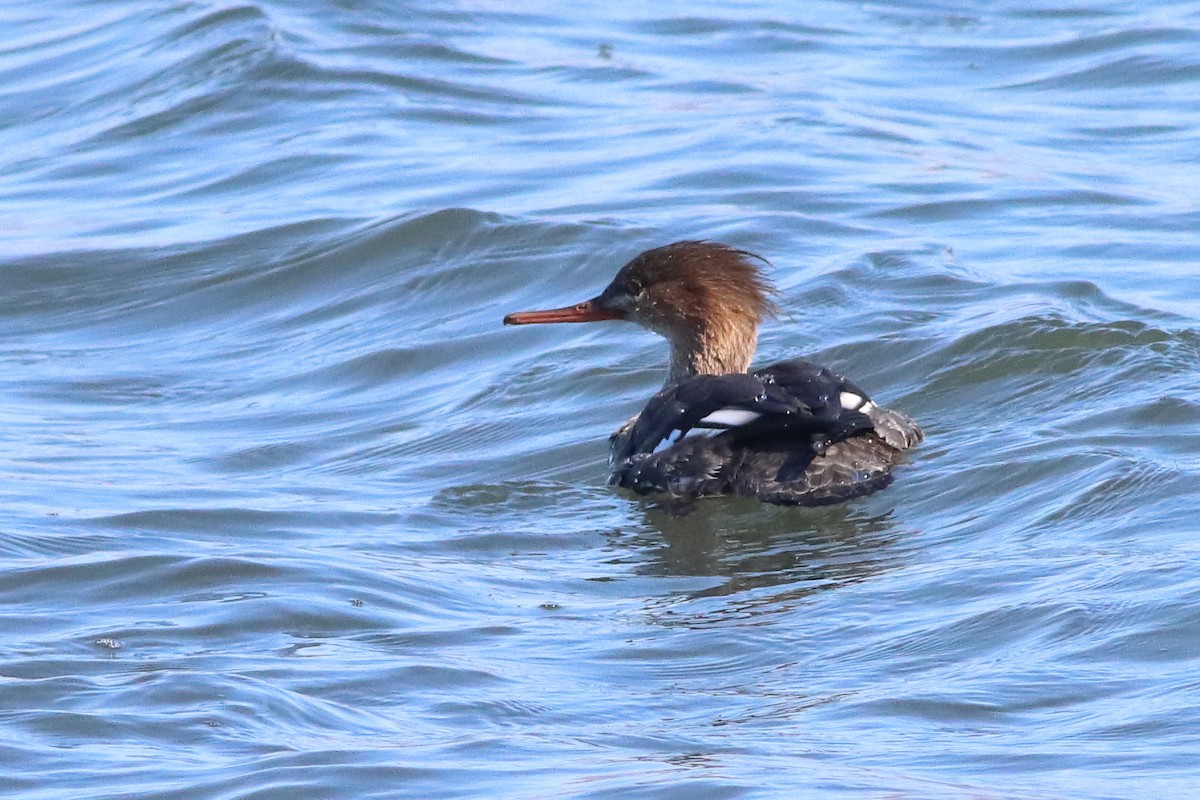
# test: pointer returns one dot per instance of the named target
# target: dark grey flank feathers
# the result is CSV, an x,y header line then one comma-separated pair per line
x,y
800,444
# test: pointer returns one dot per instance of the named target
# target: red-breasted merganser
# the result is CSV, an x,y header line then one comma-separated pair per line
x,y
793,433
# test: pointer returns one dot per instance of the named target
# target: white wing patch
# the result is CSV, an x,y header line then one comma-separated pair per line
x,y
855,402
728,418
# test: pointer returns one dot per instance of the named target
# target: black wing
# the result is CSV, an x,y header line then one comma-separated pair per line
x,y
785,399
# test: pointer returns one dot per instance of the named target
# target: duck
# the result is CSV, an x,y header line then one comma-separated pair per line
x,y
790,433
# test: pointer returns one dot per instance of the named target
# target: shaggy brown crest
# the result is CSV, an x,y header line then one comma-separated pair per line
x,y
693,282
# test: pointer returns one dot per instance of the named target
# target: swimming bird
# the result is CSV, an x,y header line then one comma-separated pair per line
x,y
791,433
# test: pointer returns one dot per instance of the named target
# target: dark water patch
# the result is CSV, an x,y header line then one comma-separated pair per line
x,y
766,563
1130,132
601,75
967,208
430,50
1127,71
706,87
1099,43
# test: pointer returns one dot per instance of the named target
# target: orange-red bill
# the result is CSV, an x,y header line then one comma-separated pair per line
x,y
587,311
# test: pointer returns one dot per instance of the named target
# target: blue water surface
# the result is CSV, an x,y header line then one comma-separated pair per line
x,y
287,513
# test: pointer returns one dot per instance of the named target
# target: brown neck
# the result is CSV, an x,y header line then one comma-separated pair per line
x,y
718,349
